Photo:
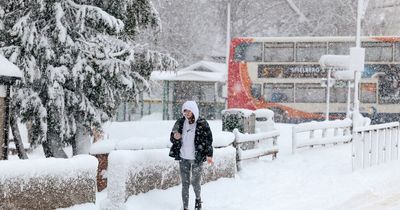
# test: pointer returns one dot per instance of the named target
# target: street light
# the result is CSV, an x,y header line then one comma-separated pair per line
x,y
353,64
357,64
328,83
338,62
348,67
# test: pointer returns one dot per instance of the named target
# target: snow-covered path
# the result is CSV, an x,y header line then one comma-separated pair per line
x,y
318,178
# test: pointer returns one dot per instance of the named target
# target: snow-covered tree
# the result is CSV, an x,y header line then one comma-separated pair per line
x,y
293,18
79,63
191,30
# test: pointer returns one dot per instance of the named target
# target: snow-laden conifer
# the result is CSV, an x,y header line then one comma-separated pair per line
x,y
79,62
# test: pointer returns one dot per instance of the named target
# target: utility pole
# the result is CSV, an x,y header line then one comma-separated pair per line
x,y
228,33
228,43
357,64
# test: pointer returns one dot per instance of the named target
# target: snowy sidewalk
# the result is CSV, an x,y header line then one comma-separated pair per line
x,y
319,178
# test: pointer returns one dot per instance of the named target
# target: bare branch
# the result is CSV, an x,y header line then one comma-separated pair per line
x,y
297,10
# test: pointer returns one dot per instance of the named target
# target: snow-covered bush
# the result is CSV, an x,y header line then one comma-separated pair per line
x,y
47,183
134,172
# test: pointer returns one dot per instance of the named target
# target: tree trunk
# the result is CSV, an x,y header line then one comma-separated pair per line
x,y
17,139
52,147
82,141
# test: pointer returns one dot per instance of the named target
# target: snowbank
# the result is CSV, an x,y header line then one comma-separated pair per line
x,y
47,183
134,172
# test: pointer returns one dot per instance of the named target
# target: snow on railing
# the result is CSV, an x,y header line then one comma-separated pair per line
x,y
375,144
249,146
324,129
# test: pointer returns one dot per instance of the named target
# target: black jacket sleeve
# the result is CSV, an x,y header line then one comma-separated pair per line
x,y
178,127
209,140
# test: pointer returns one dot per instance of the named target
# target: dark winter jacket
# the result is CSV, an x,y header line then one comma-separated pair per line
x,y
202,140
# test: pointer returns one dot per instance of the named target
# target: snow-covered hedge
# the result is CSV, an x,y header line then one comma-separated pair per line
x,y
47,183
102,148
134,172
221,139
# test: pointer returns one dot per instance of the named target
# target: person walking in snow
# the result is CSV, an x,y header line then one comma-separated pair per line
x,y
191,139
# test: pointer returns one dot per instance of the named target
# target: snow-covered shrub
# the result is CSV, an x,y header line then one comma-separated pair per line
x,y
133,172
47,183
224,165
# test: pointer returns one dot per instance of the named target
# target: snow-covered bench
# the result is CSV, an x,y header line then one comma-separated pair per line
x,y
47,183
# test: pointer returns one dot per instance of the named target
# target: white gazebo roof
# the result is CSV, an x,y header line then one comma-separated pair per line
x,y
201,71
8,69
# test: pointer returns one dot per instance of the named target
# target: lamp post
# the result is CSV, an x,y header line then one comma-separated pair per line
x,y
357,64
338,62
328,83
352,65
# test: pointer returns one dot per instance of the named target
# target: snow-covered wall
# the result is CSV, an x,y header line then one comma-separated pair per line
x,y
133,172
51,183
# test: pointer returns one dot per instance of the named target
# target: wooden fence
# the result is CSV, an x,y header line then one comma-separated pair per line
x,y
329,132
249,146
375,144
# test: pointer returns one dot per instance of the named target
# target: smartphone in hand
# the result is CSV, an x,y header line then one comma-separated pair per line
x,y
177,135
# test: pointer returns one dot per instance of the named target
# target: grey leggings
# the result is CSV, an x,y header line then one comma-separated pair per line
x,y
185,167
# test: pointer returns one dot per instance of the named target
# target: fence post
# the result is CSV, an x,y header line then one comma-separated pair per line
x,y
367,149
387,149
381,146
374,147
357,151
274,140
395,143
336,131
324,131
237,147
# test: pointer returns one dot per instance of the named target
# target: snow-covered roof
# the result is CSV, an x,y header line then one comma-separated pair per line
x,y
8,70
200,71
206,65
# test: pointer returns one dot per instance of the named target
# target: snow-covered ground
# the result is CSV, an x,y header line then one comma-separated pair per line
x,y
317,178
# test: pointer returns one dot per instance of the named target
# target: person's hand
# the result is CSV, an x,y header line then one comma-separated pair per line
x,y
177,135
210,160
